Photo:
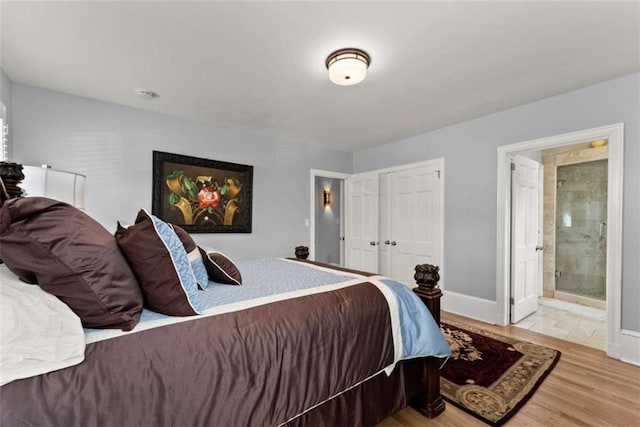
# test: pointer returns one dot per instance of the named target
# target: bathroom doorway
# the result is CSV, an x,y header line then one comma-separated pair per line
x,y
572,301
584,210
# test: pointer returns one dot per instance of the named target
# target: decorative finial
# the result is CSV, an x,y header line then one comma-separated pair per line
x,y
427,275
302,252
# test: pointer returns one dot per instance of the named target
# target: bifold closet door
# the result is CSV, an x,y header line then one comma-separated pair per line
x,y
414,221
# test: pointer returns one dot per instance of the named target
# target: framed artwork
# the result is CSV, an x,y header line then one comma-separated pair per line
x,y
201,195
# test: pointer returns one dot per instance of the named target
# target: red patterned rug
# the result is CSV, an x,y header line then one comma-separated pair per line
x,y
492,376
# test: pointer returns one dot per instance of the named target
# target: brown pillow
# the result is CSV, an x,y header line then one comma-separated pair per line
x,y
160,262
220,268
71,256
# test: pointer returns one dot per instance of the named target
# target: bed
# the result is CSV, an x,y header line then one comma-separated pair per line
x,y
299,343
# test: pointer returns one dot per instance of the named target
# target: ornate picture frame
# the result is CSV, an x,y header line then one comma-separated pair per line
x,y
202,195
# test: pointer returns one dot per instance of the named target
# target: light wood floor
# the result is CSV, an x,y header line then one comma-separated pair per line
x,y
586,388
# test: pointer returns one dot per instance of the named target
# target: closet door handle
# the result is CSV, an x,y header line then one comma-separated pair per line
x,y
386,242
393,243
372,243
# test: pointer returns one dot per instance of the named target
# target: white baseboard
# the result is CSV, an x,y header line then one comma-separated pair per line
x,y
613,350
630,347
468,306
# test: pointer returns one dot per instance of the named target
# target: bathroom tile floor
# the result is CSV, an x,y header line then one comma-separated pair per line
x,y
568,321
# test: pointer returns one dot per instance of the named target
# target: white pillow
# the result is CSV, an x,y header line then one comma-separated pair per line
x,y
38,332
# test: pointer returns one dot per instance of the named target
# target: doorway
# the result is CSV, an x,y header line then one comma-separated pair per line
x,y
328,246
566,250
614,135
326,220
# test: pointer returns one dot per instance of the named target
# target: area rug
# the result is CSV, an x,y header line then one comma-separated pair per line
x,y
492,376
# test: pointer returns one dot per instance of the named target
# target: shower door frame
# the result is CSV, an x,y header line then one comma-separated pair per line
x,y
615,136
586,155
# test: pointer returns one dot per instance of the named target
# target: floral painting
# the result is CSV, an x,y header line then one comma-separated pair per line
x,y
201,195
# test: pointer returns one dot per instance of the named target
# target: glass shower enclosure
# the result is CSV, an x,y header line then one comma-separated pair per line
x,y
581,229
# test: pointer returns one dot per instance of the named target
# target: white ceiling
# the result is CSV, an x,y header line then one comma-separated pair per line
x,y
259,66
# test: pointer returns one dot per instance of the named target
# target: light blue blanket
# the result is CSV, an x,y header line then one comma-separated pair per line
x,y
266,277
421,335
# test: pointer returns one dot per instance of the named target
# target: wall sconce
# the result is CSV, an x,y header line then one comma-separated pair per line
x,y
327,197
43,181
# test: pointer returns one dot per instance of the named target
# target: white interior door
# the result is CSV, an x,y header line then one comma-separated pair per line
x,y
525,208
384,256
540,247
361,228
342,209
415,221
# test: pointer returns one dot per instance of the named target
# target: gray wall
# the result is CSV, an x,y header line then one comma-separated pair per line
x,y
6,91
470,150
327,221
113,146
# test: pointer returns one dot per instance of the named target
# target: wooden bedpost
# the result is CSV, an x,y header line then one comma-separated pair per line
x,y
302,252
427,279
430,403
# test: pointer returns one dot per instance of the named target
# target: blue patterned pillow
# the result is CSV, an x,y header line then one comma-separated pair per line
x,y
197,265
160,262
195,258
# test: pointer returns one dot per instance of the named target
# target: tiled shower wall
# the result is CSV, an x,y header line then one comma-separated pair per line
x,y
562,157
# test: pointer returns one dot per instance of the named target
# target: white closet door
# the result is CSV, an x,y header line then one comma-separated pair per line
x,y
384,267
415,221
361,237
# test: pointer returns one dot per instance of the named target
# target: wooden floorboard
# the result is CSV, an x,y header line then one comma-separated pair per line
x,y
586,388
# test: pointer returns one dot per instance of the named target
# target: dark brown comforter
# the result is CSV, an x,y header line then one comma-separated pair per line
x,y
260,366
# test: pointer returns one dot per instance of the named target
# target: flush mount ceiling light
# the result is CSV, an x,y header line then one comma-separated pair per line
x,y
348,66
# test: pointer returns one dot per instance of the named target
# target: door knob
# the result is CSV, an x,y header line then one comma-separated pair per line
x,y
393,243
539,248
386,242
372,243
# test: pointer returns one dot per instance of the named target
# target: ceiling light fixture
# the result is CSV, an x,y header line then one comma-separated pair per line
x,y
348,66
